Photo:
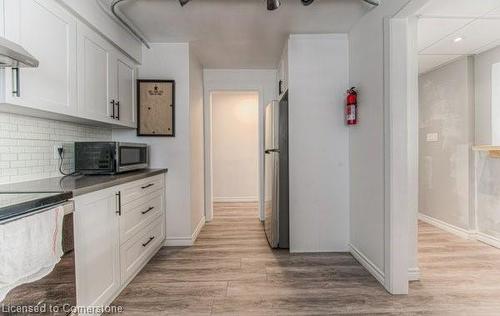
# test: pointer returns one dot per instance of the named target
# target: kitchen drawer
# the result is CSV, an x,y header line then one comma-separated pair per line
x,y
135,252
141,188
139,213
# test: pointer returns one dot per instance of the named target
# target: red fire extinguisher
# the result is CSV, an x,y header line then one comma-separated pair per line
x,y
351,107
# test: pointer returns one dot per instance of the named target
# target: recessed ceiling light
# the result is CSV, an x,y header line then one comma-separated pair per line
x,y
458,39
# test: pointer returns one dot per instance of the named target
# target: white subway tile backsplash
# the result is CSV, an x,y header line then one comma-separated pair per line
x,y
27,146
8,157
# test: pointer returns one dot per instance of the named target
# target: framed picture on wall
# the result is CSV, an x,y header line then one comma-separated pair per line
x,y
156,108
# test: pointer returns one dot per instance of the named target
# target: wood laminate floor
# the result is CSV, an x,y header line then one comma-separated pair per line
x,y
231,271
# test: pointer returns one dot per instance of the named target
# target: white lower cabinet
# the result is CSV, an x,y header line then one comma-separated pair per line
x,y
115,236
97,246
135,252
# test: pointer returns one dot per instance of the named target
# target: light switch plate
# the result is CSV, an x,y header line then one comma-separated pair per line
x,y
432,137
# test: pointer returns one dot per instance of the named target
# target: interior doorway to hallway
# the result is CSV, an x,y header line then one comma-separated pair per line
x,y
235,151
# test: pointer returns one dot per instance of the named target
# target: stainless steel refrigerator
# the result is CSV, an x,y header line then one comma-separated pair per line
x,y
276,200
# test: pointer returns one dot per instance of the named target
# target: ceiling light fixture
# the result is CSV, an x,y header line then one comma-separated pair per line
x,y
458,39
307,2
183,2
273,4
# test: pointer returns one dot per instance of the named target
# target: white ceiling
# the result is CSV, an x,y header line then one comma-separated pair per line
x,y
239,33
440,22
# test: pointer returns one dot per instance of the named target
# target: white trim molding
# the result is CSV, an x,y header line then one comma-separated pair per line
x,y
413,274
198,228
236,199
178,241
188,240
487,239
367,263
461,232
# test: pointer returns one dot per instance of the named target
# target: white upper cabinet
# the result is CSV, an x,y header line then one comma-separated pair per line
x,y
81,76
105,80
122,85
283,72
48,32
94,65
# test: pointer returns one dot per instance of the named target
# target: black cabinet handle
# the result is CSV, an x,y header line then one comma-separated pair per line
x,y
268,151
280,87
117,110
119,196
16,83
148,210
147,242
113,106
147,186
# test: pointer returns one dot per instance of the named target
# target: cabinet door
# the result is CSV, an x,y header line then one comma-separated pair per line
x,y
285,69
280,77
125,74
97,248
283,72
48,32
94,65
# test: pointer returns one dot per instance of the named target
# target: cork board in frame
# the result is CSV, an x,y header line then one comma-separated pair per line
x,y
156,108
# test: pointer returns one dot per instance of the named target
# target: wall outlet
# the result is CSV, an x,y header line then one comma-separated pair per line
x,y
432,137
56,151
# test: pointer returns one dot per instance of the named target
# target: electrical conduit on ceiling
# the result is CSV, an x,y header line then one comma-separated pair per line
x,y
113,8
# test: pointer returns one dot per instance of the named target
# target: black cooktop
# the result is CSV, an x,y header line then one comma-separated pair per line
x,y
14,205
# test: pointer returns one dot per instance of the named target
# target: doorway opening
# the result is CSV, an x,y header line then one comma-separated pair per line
x,y
458,226
445,147
235,152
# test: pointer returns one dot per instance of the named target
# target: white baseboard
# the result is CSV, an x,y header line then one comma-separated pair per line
x,y
198,228
188,240
461,232
488,239
413,274
236,199
178,241
368,264
464,233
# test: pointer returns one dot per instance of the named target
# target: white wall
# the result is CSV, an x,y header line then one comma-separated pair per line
x,y
487,126
367,156
264,82
235,143
171,61
319,143
446,108
483,74
197,150
488,197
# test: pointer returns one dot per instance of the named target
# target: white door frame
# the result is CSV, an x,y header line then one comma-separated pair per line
x,y
401,145
207,113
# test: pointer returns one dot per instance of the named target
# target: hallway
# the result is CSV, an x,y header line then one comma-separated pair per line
x,y
231,270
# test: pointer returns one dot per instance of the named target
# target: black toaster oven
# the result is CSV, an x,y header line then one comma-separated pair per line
x,y
110,157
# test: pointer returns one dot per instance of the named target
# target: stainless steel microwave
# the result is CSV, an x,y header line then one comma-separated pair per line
x,y
110,157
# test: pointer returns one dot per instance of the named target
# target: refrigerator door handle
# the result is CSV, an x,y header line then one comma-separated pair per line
x,y
268,151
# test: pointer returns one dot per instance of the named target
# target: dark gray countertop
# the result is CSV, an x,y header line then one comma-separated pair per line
x,y
25,197
79,185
